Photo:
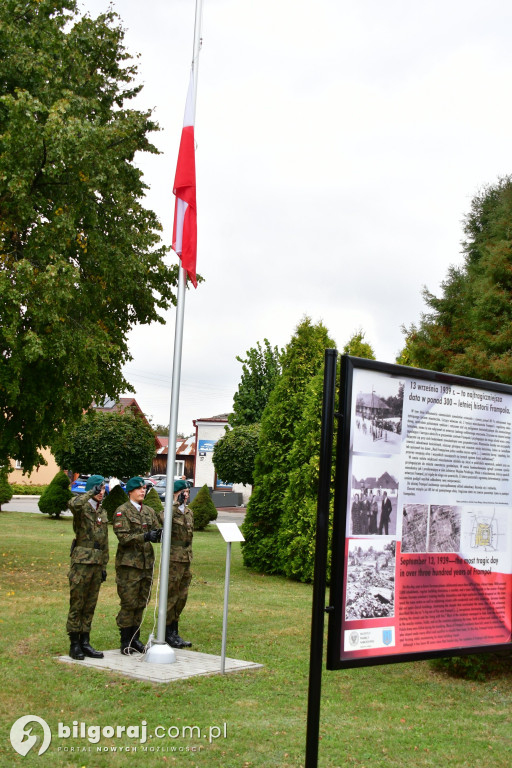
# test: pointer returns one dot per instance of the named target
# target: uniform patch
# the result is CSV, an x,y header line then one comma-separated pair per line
x,y
119,514
117,525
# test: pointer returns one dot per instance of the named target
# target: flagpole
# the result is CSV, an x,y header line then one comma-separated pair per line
x,y
160,652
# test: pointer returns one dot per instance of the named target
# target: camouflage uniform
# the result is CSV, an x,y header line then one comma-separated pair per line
x,y
180,558
88,560
135,559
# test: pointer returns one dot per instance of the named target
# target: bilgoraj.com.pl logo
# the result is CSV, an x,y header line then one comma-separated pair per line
x,y
22,738
133,738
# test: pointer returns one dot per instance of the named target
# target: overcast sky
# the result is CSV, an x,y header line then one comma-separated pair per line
x,y
339,145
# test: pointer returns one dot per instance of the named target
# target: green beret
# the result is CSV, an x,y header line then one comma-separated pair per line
x,y
180,485
133,483
93,481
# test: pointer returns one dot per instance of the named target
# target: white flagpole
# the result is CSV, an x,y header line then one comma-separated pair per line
x,y
160,652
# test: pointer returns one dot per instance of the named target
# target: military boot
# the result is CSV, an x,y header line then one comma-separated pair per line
x,y
75,649
126,636
184,643
87,647
136,643
171,637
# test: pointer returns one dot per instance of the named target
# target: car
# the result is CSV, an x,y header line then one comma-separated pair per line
x,y
160,486
156,478
78,485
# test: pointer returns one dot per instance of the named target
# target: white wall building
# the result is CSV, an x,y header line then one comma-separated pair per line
x,y
208,431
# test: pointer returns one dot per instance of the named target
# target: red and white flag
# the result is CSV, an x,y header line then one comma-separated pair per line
x,y
184,235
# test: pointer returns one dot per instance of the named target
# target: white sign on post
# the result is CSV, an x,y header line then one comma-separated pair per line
x,y
229,532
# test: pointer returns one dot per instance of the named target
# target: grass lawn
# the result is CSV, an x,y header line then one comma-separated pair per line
x,y
401,715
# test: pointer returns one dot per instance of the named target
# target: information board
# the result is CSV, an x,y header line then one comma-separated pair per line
x,y
422,538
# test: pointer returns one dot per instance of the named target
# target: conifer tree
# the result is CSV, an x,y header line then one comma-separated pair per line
x,y
113,500
468,329
297,532
5,488
302,359
203,508
55,497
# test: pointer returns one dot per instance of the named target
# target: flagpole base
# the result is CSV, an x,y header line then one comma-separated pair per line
x,y
160,653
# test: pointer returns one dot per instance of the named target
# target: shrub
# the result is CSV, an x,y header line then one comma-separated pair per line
x,y
203,508
5,488
21,489
153,500
113,500
54,499
475,667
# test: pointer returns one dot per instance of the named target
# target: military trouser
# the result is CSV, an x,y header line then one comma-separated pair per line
x,y
180,577
84,588
134,590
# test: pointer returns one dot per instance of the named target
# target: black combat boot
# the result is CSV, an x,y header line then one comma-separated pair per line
x,y
87,647
136,643
184,643
170,636
126,636
75,649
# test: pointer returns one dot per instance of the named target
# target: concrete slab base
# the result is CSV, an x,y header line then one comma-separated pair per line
x,y
188,664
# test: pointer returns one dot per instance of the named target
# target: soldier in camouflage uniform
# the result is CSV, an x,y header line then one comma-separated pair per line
x,y
180,558
137,527
89,558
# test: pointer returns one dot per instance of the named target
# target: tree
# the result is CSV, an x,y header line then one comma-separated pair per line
x,y
297,532
301,360
260,371
55,497
118,444
235,453
113,500
5,487
152,500
203,508
358,347
468,329
80,256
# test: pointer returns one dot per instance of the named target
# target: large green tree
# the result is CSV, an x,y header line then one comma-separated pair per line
x,y
260,370
468,329
301,360
118,444
235,453
80,256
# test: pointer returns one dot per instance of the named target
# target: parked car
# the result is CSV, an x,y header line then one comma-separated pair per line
x,y
161,486
156,478
78,485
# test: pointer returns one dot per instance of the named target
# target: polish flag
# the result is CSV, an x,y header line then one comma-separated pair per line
x,y
184,235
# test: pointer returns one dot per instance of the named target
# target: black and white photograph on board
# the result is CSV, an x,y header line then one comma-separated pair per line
x,y
370,579
373,496
377,405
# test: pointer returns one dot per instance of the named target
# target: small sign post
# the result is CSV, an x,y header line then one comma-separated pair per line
x,y
229,532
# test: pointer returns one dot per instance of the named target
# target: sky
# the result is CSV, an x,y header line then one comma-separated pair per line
x,y
339,144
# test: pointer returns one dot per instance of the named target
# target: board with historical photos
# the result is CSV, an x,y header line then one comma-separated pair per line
x,y
422,539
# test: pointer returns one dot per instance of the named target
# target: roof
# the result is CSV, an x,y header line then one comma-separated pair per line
x,y
371,400
223,418
184,447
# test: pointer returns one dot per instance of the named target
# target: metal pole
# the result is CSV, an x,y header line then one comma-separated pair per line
x,y
171,457
322,533
175,394
225,615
